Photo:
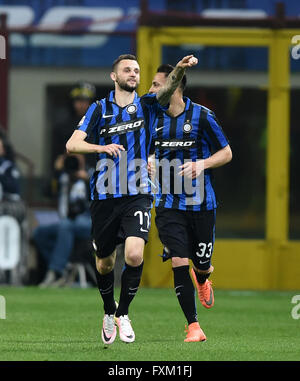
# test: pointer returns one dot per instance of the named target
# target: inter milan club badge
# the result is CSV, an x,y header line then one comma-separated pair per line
x,y
131,109
187,127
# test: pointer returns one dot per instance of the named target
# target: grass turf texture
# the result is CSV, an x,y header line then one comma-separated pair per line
x,y
64,324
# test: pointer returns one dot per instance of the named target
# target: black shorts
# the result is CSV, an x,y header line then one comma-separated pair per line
x,y
115,219
187,234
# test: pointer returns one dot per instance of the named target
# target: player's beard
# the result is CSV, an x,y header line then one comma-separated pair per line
x,y
124,86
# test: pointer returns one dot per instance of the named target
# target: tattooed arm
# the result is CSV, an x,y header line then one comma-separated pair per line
x,y
174,78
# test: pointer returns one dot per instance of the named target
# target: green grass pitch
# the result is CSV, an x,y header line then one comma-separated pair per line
x,y
64,324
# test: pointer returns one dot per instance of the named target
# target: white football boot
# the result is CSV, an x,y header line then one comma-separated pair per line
x,y
125,329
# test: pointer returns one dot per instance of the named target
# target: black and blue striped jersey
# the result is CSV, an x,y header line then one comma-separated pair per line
x,y
131,126
194,134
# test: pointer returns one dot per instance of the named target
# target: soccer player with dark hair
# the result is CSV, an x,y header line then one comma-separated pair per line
x,y
122,126
189,136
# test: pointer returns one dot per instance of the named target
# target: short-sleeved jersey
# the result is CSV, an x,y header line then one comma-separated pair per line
x,y
194,134
130,126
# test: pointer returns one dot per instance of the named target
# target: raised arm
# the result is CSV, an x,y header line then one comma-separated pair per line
x,y
174,78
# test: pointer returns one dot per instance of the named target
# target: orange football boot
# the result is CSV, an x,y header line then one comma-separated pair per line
x,y
194,333
205,291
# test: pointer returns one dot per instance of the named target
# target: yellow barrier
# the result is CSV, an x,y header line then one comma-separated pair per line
x,y
273,263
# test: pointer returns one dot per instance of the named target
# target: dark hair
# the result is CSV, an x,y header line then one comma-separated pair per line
x,y
121,58
167,69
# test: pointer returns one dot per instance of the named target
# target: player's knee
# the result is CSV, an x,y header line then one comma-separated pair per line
x,y
105,265
104,268
134,249
134,257
177,262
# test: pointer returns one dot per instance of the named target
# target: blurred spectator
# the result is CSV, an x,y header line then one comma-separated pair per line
x,y
9,175
10,198
81,95
55,242
12,205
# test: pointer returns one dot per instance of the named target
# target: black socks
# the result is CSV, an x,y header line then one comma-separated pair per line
x,y
130,280
185,292
201,277
106,288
